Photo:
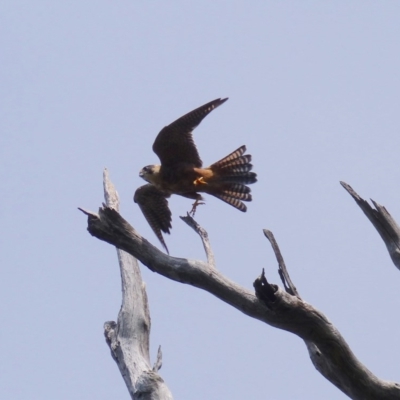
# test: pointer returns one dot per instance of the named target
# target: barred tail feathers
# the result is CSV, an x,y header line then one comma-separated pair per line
x,y
230,157
235,168
230,177
231,200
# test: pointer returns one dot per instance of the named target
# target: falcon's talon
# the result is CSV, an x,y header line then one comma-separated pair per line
x,y
194,206
200,181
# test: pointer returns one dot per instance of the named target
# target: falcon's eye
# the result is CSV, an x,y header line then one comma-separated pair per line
x,y
148,170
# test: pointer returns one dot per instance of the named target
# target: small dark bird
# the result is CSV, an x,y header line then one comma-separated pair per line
x,y
181,173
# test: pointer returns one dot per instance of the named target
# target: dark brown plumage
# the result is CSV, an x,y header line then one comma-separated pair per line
x,y
181,173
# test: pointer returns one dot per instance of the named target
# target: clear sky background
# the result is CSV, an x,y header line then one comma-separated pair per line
x,y
314,93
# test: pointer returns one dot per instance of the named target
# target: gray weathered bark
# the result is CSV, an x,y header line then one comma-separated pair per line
x,y
383,223
283,309
128,339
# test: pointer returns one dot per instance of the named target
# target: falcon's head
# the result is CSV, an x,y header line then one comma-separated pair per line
x,y
150,173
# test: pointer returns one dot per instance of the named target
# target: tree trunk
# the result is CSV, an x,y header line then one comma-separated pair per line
x,y
129,338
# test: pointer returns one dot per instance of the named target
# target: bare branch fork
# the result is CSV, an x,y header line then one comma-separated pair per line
x,y
382,221
283,309
129,338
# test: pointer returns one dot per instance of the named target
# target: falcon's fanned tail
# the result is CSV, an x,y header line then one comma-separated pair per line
x,y
181,172
230,177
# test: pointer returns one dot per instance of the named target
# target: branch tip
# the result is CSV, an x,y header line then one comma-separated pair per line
x,y
382,221
203,236
158,364
282,270
88,213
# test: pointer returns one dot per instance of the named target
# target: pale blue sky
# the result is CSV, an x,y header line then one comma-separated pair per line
x,y
314,93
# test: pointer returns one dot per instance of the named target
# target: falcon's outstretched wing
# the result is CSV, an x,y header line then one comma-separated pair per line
x,y
154,206
174,144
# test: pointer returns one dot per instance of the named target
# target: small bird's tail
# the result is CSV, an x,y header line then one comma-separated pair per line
x,y
230,177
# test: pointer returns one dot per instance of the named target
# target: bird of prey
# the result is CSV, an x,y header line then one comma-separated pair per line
x,y
181,173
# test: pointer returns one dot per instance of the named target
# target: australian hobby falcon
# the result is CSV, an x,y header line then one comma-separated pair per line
x,y
181,172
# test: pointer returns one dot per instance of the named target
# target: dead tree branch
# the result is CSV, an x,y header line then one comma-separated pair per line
x,y
383,223
283,272
128,339
328,350
204,239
